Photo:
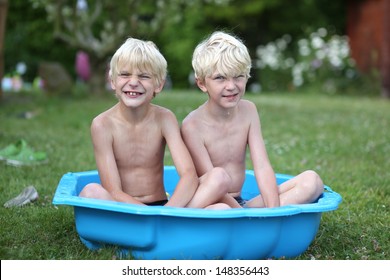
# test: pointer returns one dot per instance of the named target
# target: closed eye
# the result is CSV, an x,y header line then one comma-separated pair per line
x,y
219,77
124,74
145,76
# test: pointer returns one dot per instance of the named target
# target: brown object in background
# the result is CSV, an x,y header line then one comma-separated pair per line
x,y
368,28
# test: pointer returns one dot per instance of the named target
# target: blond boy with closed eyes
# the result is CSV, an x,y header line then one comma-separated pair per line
x,y
129,139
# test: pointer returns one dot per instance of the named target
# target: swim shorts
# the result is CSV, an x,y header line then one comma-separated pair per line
x,y
158,203
241,201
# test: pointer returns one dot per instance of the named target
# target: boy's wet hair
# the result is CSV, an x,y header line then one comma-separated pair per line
x,y
141,55
223,53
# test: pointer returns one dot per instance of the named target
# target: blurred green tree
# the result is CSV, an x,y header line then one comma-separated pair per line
x,y
56,29
3,16
29,39
98,27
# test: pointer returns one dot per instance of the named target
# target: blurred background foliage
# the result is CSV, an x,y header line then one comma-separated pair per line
x,y
55,30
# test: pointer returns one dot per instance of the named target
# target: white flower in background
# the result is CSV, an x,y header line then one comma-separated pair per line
x,y
82,5
271,55
303,47
317,42
320,56
322,32
21,68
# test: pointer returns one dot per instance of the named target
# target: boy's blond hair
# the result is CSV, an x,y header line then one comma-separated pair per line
x,y
221,52
141,55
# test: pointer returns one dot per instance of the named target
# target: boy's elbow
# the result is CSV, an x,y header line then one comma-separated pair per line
x,y
194,179
190,176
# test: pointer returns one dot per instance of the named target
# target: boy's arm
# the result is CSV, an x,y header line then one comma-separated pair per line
x,y
106,163
263,170
188,182
196,147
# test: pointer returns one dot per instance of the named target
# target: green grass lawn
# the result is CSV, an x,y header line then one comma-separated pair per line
x,y
345,139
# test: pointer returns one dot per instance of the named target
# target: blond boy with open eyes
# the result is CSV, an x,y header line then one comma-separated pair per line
x,y
218,133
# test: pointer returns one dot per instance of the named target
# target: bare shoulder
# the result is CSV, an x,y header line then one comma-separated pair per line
x,y
103,126
248,105
165,119
163,114
191,121
102,121
248,110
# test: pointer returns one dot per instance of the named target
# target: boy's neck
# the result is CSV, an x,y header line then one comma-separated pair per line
x,y
134,115
220,113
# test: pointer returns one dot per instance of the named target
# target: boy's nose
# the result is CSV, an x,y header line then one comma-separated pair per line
x,y
230,83
133,80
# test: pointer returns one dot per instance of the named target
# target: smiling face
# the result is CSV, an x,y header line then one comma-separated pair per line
x,y
221,53
222,90
222,67
137,72
135,87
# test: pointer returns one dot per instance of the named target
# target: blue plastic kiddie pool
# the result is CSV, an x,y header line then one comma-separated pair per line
x,y
162,233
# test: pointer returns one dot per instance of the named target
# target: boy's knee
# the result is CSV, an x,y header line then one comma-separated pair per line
x,y
313,182
89,190
221,175
218,179
218,206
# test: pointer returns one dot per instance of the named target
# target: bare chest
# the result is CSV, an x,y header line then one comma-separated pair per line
x,y
138,147
226,144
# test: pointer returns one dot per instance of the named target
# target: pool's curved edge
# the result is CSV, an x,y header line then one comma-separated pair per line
x,y
66,194
285,232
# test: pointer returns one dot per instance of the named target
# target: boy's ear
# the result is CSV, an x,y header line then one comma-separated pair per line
x,y
201,85
159,88
112,84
